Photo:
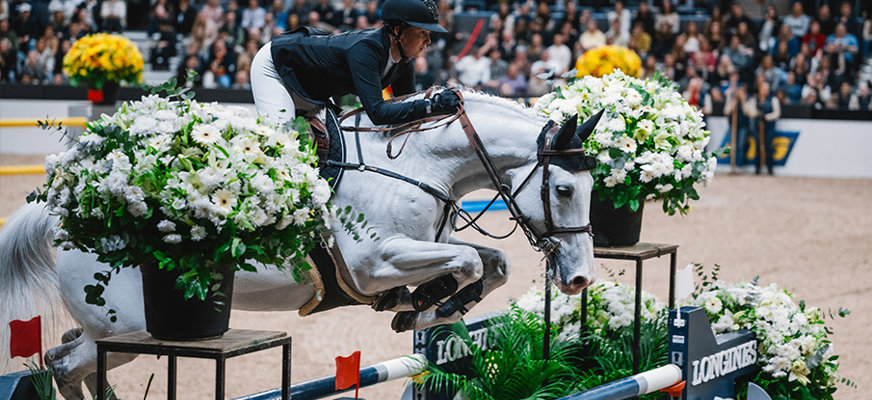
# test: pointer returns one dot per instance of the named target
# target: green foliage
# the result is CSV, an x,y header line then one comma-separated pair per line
x,y
41,378
513,367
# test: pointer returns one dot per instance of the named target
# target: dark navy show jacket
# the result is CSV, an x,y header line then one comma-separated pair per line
x,y
317,67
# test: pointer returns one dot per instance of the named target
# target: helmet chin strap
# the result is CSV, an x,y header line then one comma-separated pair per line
x,y
396,37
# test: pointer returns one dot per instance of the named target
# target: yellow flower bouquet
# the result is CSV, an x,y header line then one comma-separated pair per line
x,y
100,58
604,60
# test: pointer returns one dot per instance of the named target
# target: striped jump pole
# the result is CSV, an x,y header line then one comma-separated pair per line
x,y
632,386
322,387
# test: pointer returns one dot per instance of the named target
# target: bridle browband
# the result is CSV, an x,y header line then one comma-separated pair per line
x,y
539,240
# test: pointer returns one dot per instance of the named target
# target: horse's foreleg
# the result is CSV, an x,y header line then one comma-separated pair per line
x,y
404,261
496,272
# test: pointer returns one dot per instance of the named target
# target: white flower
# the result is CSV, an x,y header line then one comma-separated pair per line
x,y
166,226
713,304
627,144
172,238
206,134
224,200
198,233
301,216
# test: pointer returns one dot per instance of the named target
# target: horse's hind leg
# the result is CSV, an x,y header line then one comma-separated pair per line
x,y
75,360
496,273
90,379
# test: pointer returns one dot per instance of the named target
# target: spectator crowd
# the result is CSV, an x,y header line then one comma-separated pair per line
x,y
812,55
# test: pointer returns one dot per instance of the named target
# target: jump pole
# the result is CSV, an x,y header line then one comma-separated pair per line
x,y
632,386
322,387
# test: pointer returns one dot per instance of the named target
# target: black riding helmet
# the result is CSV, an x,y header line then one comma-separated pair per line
x,y
418,13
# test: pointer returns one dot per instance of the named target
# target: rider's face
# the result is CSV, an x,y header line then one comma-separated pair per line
x,y
414,40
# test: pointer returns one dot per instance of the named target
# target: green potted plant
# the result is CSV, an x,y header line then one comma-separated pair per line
x,y
650,144
189,193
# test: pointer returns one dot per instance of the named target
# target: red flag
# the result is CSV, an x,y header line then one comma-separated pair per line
x,y
26,339
348,372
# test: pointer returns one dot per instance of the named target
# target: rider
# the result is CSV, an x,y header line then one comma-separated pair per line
x,y
302,69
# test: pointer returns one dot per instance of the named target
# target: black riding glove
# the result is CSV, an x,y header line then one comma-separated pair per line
x,y
445,102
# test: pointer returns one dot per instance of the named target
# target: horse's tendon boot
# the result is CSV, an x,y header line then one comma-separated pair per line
x,y
404,321
458,302
392,298
428,293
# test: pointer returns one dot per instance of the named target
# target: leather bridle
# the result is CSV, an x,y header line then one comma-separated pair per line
x,y
539,239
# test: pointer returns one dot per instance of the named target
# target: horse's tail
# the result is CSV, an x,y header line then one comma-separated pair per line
x,y
28,278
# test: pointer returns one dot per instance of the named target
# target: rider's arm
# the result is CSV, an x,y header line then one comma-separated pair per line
x,y
364,63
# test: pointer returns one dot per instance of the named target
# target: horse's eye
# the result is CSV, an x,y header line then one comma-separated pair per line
x,y
564,190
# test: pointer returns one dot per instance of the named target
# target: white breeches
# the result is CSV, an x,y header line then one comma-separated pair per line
x,y
271,97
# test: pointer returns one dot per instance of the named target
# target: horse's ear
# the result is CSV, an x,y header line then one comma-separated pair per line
x,y
564,135
588,126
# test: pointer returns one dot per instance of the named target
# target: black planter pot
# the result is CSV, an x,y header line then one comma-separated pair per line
x,y
108,95
168,316
613,227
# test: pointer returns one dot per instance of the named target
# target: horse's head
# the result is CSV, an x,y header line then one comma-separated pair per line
x,y
556,199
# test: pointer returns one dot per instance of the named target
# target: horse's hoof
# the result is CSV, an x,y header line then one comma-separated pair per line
x,y
71,335
392,298
428,293
404,321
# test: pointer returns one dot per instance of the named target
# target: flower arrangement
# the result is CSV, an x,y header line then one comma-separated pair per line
x,y
603,60
101,57
650,143
796,359
189,186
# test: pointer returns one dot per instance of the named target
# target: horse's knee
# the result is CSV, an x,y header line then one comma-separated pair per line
x,y
470,265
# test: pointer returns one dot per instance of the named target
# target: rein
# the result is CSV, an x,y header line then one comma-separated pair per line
x,y
539,240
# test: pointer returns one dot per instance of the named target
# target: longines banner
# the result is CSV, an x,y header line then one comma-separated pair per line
x,y
807,147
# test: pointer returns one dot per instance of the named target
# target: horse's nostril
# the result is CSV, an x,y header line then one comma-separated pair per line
x,y
579,281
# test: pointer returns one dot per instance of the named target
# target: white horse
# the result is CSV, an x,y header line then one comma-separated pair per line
x,y
405,218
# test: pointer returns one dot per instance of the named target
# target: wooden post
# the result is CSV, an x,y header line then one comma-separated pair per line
x,y
734,137
761,145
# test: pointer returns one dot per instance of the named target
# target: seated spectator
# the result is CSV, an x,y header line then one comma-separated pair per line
x,y
715,36
862,100
664,40
513,83
714,18
705,59
693,38
792,89
846,17
740,56
867,37
720,77
26,27
649,66
165,46
241,81
252,17
592,37
815,39
347,16
114,14
786,36
536,48
371,12
233,33
498,69
737,16
425,77
192,63
671,69
8,61
772,74
214,13
160,10
843,99
842,46
522,61
537,86
670,17
746,36
571,15
797,20
504,16
615,34
473,69
560,54
37,71
645,17
769,29
825,19
822,92
640,41
185,17
801,67
696,95
622,16
326,13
